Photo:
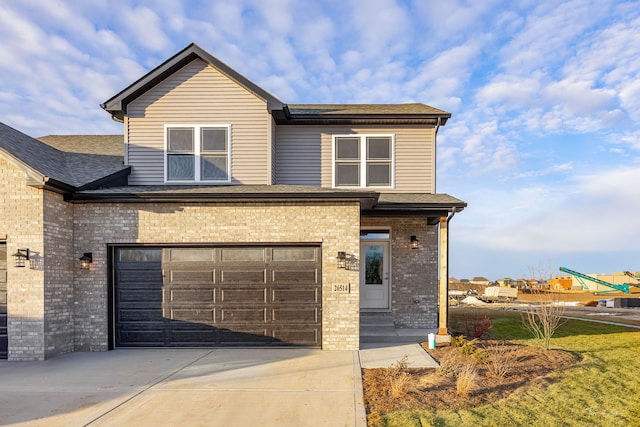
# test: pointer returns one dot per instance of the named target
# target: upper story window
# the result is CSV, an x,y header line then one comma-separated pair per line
x,y
198,153
363,161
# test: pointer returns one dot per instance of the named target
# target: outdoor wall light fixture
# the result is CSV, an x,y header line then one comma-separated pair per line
x,y
86,260
21,256
414,242
342,259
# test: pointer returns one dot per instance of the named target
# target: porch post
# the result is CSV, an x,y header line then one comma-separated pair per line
x,y
443,283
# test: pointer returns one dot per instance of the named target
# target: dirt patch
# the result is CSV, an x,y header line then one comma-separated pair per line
x,y
489,371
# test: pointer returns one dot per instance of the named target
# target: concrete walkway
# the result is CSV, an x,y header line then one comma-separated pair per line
x,y
193,387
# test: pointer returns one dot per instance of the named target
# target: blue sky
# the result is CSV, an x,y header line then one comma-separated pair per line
x,y
543,144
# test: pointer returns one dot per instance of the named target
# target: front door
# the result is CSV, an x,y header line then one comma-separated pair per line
x,y
374,275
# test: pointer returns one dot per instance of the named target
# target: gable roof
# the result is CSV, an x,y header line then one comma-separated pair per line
x,y
65,163
293,114
117,105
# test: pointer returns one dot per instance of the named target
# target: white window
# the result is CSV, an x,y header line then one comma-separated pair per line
x,y
198,153
363,161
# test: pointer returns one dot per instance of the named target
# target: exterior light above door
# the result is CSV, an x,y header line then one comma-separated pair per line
x,y
21,256
414,242
86,260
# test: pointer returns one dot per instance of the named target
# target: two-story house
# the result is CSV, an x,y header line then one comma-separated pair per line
x,y
223,216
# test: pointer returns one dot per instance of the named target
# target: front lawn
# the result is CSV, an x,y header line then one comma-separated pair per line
x,y
602,388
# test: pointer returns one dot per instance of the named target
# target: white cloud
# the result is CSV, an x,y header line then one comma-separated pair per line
x,y
453,18
593,212
145,27
383,27
277,15
508,92
547,35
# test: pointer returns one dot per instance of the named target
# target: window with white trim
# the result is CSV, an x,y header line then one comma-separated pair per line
x,y
198,153
363,160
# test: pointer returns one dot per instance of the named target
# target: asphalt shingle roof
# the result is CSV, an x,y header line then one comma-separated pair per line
x,y
74,160
364,109
426,199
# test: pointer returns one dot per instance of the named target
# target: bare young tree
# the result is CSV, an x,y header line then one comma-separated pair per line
x,y
544,315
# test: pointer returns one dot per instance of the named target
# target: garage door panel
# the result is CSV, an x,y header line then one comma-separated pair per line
x,y
300,315
243,295
142,337
138,278
301,336
189,254
294,276
242,255
140,295
218,296
189,295
243,276
295,296
242,335
195,315
244,315
178,276
295,254
193,337
140,314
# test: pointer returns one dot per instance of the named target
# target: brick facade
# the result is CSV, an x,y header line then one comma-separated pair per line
x,y
21,221
335,225
55,308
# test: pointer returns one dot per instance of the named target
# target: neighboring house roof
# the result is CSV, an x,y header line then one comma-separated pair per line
x,y
64,163
117,105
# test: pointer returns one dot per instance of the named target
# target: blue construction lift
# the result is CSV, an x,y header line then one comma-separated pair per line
x,y
582,277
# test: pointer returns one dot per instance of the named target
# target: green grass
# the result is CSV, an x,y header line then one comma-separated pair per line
x,y
602,389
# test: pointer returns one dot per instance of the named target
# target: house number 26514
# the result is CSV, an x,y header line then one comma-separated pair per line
x,y
341,288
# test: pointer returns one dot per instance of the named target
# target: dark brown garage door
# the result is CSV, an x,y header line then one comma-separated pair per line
x,y
217,296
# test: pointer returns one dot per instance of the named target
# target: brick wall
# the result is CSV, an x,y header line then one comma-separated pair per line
x,y
21,222
414,272
59,266
335,225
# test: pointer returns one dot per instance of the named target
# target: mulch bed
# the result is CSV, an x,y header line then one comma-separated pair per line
x,y
402,387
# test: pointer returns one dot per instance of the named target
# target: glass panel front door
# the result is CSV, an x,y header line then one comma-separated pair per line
x,y
374,275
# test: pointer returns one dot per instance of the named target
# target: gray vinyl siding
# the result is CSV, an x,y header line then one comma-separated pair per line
x,y
304,155
198,94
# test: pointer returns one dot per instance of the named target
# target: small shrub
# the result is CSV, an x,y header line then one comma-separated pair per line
x,y
399,367
467,380
400,385
503,359
481,356
482,327
450,365
468,347
475,324
399,378
457,341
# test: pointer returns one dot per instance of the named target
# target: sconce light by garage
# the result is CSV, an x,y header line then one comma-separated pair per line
x,y
86,260
414,242
21,257
342,259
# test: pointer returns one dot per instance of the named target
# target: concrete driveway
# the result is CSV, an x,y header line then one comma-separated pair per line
x,y
185,387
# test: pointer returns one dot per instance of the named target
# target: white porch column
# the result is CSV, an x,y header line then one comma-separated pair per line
x,y
443,281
